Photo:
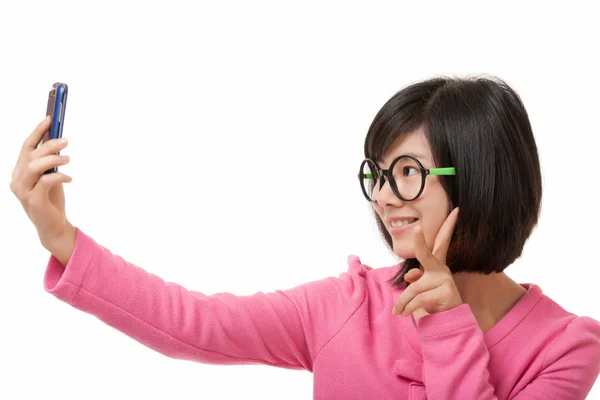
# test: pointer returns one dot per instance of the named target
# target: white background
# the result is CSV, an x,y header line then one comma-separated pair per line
x,y
217,146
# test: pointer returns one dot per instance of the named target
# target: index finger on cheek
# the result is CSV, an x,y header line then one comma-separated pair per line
x,y
422,252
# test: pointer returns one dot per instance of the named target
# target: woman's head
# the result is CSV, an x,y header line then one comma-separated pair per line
x,y
480,127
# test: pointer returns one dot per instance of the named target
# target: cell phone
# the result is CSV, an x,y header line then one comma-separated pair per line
x,y
57,103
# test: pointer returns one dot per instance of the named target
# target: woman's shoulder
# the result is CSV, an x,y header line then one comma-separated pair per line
x,y
561,327
378,275
570,339
549,309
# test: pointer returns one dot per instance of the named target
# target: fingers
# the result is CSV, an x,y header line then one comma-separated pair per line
x,y
34,138
409,294
444,236
40,194
36,167
53,146
32,161
433,288
29,168
422,300
45,183
413,275
422,252
25,176
418,314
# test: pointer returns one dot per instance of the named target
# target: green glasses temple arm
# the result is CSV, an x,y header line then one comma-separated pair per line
x,y
432,171
442,171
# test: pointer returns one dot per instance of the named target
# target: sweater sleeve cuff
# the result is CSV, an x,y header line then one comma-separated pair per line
x,y
446,322
65,281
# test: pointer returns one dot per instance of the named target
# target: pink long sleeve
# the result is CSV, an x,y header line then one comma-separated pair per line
x,y
342,329
455,359
225,329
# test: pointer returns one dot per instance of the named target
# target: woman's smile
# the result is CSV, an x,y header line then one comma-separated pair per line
x,y
399,229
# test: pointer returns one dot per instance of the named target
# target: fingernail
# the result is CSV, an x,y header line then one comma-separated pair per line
x,y
394,311
47,118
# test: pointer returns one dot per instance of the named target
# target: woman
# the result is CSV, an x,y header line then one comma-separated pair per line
x,y
446,323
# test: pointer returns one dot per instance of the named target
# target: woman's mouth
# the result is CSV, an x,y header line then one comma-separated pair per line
x,y
398,227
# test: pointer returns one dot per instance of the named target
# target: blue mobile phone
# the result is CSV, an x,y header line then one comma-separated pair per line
x,y
57,103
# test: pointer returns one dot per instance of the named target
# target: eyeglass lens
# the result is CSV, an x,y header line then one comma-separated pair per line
x,y
407,176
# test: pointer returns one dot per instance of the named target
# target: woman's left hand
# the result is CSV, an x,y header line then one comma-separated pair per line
x,y
432,289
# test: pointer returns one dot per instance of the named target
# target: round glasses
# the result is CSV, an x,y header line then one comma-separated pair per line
x,y
406,177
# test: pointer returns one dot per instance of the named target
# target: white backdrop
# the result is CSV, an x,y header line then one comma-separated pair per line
x,y
199,138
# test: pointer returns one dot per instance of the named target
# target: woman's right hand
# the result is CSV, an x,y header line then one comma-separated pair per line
x,y
42,195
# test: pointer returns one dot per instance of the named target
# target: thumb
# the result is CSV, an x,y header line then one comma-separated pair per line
x,y
418,314
413,275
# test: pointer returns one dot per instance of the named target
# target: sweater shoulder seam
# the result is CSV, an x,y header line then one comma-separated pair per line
x,y
341,327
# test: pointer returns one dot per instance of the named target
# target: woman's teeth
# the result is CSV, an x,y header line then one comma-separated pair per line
x,y
396,224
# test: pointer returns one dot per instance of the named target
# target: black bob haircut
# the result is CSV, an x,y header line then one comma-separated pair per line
x,y
479,126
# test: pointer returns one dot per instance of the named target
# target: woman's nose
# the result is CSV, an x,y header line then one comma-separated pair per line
x,y
385,195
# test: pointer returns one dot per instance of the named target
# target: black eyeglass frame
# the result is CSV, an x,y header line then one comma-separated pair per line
x,y
382,173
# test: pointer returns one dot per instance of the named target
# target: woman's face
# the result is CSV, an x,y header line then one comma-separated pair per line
x,y
430,208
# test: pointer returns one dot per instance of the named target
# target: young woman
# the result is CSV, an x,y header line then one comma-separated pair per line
x,y
452,171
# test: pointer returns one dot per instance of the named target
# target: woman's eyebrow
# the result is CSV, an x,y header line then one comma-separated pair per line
x,y
415,155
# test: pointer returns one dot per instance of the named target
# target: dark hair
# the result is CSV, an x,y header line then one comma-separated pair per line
x,y
479,126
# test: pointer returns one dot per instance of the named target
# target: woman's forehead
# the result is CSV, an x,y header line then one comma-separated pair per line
x,y
412,144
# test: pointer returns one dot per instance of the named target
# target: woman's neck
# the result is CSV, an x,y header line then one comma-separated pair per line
x,y
490,296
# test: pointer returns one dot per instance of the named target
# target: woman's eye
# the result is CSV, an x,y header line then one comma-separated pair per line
x,y
408,169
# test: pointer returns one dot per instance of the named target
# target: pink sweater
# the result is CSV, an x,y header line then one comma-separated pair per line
x,y
342,329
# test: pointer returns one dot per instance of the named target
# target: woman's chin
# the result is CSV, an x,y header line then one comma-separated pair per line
x,y
404,250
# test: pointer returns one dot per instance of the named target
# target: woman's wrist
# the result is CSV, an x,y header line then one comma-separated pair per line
x,y
62,247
